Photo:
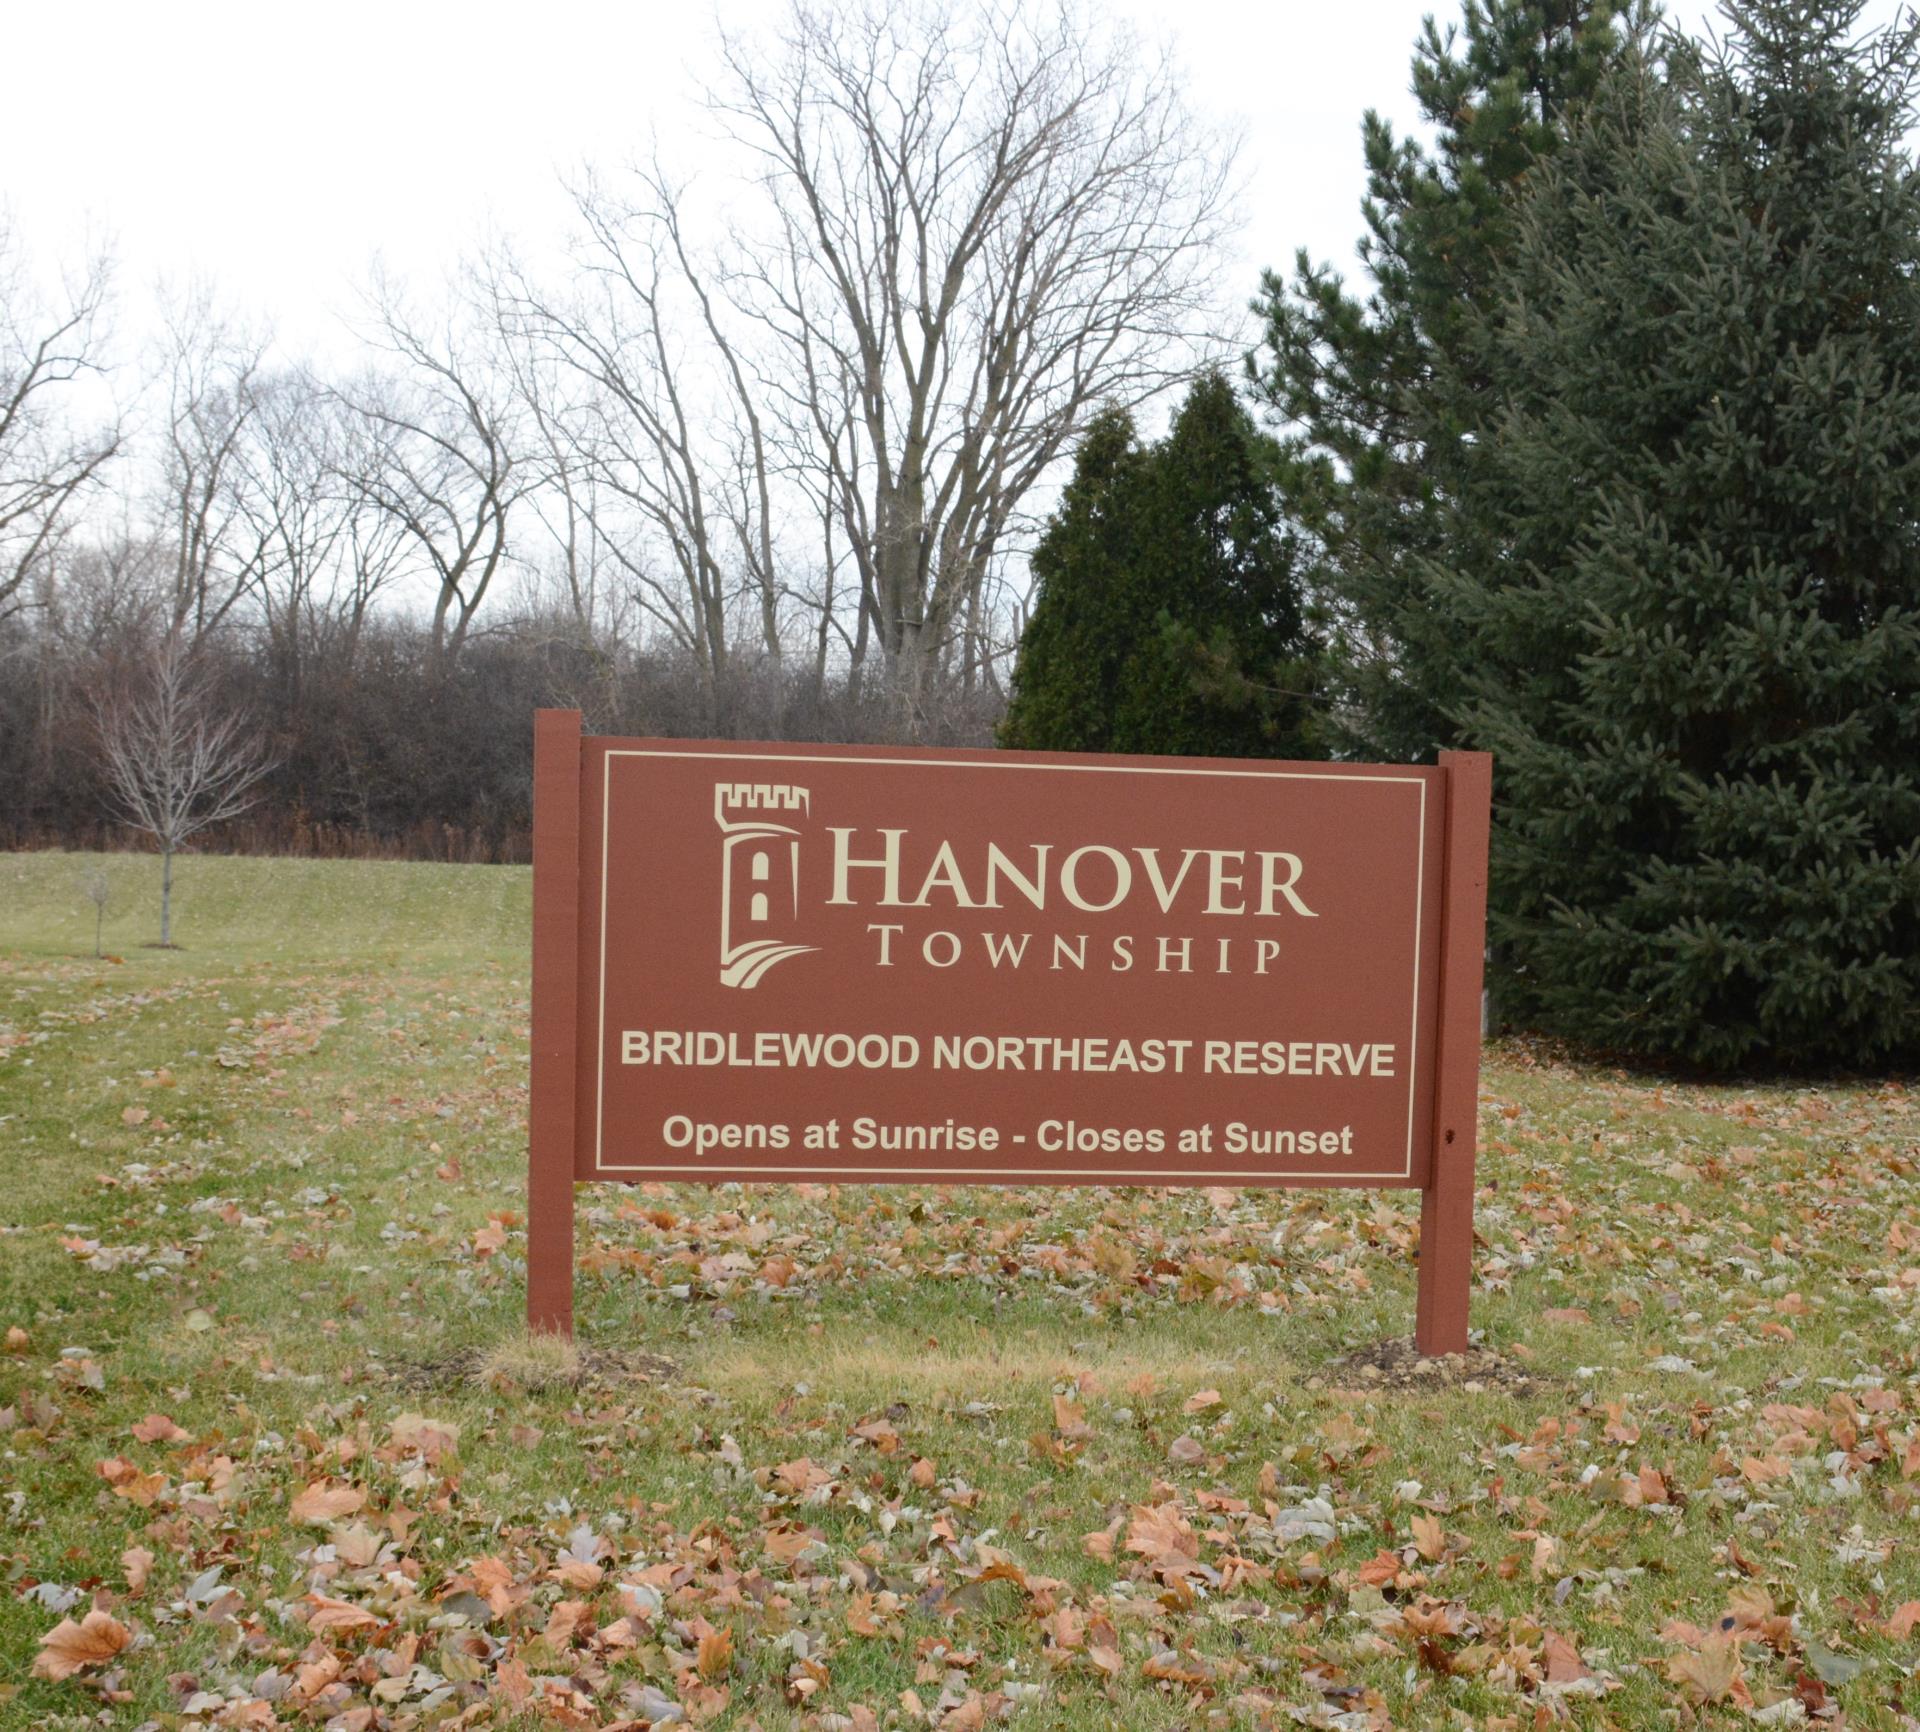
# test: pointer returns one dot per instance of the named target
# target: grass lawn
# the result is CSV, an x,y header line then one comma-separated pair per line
x,y
852,1457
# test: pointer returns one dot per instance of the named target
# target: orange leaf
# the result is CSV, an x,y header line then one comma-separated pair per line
x,y
1708,1676
1564,1665
69,1647
158,1428
1160,1529
798,1478
1200,1401
338,1614
1429,1538
321,1504
137,1561
715,1658
1066,1627
1379,1569
1904,1621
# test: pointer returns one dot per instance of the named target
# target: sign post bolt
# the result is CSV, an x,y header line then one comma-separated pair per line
x,y
1446,1202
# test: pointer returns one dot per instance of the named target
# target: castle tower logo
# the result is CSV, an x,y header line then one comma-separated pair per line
x,y
759,876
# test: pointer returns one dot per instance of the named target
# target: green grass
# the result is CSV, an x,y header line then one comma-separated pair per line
x,y
258,1183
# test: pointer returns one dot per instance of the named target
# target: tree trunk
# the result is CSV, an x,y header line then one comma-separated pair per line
x,y
166,898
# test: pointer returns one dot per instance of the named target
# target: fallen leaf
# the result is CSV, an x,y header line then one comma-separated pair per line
x,y
322,1504
69,1647
330,1614
715,1655
1562,1655
1710,1675
137,1562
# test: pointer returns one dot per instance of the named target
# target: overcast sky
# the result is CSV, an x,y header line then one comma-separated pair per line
x,y
273,148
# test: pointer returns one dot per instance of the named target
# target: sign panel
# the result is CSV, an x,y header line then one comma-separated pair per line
x,y
762,962
851,964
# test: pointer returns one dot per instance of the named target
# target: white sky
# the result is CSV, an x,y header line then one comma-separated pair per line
x,y
272,149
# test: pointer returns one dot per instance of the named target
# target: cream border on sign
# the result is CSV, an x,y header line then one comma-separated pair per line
x,y
1181,1176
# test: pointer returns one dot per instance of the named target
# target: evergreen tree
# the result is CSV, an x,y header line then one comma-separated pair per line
x,y
1166,614
1688,581
1373,392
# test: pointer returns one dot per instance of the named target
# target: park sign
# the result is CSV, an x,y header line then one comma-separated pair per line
x,y
846,964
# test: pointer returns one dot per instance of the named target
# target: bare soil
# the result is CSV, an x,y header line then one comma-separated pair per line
x,y
1398,1365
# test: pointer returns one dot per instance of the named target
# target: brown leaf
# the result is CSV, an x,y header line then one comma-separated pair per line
x,y
137,1561
158,1428
797,1478
1562,1655
715,1657
1905,1620
1066,1628
1380,1569
1157,1531
1430,1537
130,1483
338,1614
69,1647
321,1503
1200,1401
1710,1675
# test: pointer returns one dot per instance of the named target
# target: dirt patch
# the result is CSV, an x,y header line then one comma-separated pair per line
x,y
483,1367
1399,1365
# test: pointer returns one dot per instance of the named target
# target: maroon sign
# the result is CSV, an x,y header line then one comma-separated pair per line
x,y
850,964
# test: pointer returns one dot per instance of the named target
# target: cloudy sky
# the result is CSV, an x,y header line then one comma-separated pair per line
x,y
273,149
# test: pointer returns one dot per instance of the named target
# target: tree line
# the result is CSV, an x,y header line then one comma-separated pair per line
x,y
759,453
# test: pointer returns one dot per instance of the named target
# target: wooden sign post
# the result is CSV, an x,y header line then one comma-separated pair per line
x,y
868,965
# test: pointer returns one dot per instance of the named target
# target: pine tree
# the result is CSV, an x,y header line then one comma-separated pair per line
x,y
1373,391
1688,582
1167,616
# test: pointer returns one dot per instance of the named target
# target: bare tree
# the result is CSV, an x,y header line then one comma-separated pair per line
x,y
987,220
296,491
966,223
97,887
47,462
444,452
668,444
213,369
175,759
